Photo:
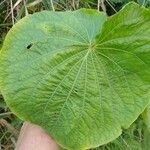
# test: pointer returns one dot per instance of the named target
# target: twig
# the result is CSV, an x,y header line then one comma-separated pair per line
x,y
9,127
34,3
26,10
15,5
98,5
6,114
12,12
2,2
111,6
77,4
73,4
52,5
102,5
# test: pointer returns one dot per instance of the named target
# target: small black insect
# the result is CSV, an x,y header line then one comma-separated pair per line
x,y
29,46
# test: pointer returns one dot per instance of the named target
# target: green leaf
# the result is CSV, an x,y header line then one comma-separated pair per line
x,y
80,75
146,117
146,141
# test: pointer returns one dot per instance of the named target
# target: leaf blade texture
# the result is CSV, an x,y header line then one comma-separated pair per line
x,y
80,75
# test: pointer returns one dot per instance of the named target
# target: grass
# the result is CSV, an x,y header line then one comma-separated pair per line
x,y
135,138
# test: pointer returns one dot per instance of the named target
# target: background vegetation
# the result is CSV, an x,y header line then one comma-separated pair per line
x,y
137,137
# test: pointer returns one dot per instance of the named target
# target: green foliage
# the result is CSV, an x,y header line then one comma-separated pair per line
x,y
146,117
131,139
79,75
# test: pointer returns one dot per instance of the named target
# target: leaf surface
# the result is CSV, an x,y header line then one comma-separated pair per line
x,y
79,75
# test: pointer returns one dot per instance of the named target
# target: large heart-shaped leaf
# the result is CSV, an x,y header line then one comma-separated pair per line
x,y
79,75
